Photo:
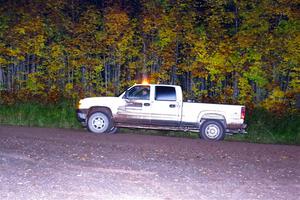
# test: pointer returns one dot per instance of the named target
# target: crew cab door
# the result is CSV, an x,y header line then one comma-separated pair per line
x,y
136,106
165,107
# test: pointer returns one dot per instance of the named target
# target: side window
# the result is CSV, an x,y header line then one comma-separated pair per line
x,y
139,92
164,93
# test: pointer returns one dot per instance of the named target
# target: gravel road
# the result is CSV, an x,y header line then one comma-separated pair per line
x,y
43,163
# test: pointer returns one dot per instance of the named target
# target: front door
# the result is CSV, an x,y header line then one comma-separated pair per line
x,y
136,106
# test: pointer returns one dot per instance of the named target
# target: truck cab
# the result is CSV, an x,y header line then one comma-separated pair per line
x,y
150,105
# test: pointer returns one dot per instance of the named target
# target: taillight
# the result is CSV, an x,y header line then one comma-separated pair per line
x,y
243,113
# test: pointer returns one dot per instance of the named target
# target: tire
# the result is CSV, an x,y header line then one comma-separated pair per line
x,y
212,130
99,122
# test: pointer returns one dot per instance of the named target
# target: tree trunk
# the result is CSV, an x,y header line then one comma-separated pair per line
x,y
235,85
1,78
144,71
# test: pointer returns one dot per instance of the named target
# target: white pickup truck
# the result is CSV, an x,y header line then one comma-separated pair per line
x,y
156,106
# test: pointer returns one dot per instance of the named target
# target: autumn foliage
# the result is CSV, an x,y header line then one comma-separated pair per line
x,y
244,52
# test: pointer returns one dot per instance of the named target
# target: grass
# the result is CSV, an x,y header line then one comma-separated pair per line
x,y
36,114
263,127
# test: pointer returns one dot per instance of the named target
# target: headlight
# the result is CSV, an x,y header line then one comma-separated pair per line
x,y
79,104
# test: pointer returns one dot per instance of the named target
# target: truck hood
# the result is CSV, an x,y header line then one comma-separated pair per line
x,y
98,101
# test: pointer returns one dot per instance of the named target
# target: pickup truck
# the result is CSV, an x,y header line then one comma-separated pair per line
x,y
157,106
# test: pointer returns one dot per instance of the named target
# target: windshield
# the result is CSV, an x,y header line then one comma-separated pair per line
x,y
120,94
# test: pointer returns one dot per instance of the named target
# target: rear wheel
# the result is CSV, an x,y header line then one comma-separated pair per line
x,y
99,122
212,131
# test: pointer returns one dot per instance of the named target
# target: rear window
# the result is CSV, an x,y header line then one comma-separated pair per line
x,y
163,93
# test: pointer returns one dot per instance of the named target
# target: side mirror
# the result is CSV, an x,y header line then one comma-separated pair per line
x,y
125,96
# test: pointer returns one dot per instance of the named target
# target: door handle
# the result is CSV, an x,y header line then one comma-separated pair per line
x,y
146,104
172,105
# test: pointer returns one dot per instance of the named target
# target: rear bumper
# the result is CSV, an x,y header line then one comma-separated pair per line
x,y
81,116
236,128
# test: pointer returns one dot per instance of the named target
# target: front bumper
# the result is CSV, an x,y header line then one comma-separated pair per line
x,y
81,116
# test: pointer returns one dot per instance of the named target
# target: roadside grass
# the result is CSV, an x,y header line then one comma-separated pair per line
x,y
263,127
36,114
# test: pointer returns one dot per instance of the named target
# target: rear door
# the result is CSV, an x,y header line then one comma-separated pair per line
x,y
165,108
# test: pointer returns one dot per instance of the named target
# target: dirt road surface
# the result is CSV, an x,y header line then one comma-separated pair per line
x,y
42,163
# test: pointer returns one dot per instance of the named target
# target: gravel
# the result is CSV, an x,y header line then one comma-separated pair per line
x,y
47,163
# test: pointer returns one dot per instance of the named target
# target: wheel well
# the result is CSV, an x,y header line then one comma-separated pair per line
x,y
221,121
105,110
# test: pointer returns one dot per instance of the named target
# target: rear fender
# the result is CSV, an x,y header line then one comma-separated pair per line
x,y
216,116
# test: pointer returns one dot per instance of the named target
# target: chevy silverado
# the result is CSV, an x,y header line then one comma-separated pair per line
x,y
157,106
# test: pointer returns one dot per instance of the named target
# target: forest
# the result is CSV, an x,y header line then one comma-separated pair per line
x,y
223,51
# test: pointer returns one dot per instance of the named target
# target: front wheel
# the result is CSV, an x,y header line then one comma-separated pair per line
x,y
99,122
212,131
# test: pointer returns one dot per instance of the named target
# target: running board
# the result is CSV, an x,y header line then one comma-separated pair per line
x,y
169,128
